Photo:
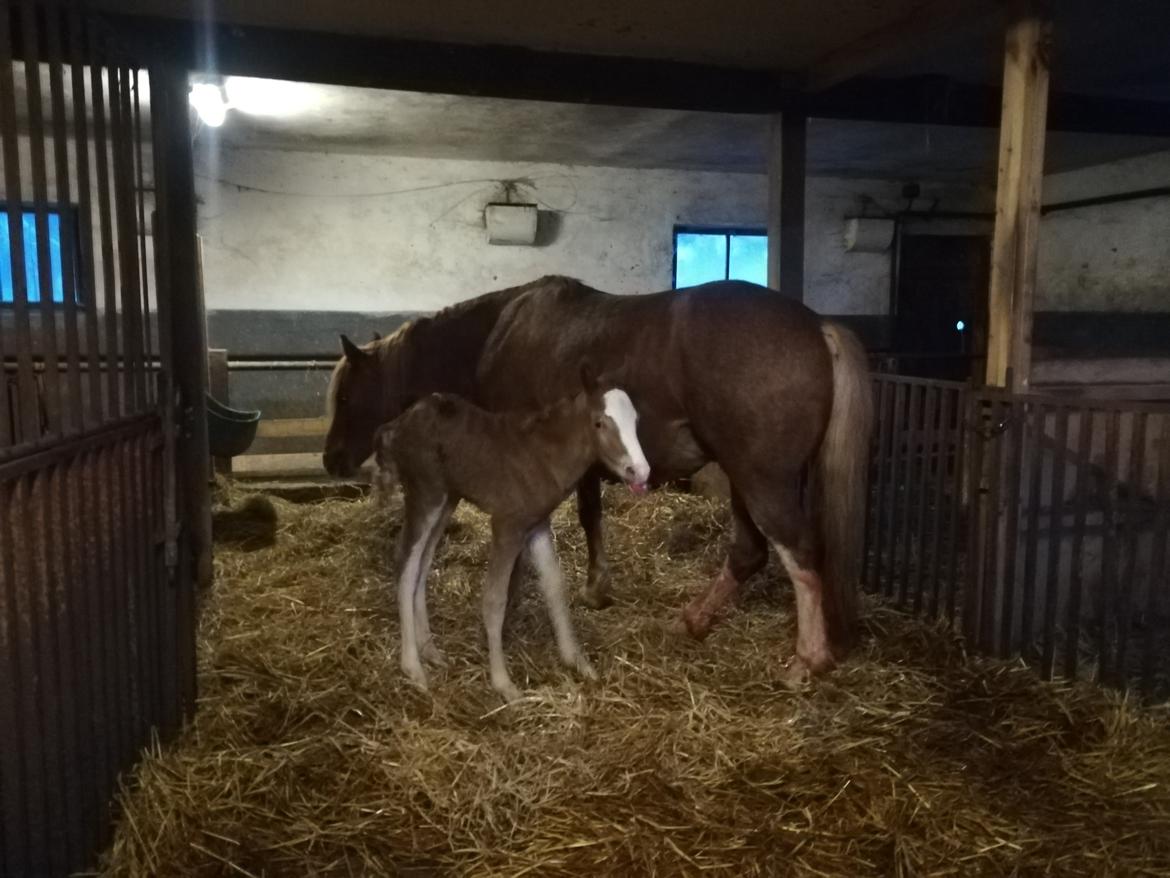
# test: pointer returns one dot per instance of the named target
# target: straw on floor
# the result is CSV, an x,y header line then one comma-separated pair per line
x,y
311,755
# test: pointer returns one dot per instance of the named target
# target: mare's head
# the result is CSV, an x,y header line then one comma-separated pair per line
x,y
614,432
359,401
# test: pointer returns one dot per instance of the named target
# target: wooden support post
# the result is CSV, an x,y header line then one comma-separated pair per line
x,y
786,182
187,323
218,386
1018,193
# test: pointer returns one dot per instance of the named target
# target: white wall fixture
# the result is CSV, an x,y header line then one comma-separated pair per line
x,y
209,102
510,223
868,235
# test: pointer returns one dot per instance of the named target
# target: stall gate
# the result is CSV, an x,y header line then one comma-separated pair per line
x,y
96,597
1038,525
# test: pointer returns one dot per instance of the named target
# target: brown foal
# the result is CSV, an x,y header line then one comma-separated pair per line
x,y
516,467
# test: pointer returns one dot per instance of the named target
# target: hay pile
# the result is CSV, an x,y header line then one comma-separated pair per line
x,y
311,755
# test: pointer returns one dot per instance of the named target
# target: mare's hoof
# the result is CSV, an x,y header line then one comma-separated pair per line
x,y
689,626
595,598
796,673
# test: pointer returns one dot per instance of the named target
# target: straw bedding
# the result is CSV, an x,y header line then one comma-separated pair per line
x,y
311,755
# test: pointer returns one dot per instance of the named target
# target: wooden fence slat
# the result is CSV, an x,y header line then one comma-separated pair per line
x,y
1076,554
1106,589
930,447
1011,528
1131,573
1027,639
1159,586
1055,534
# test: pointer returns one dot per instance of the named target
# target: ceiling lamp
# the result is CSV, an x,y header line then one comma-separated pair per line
x,y
209,102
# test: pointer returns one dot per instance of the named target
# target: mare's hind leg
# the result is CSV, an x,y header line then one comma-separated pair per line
x,y
420,517
596,593
552,583
422,623
747,555
776,510
506,544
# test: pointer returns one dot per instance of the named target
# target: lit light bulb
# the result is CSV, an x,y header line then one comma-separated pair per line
x,y
960,325
208,101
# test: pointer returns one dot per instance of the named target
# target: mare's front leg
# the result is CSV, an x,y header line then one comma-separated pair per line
x,y
596,593
543,552
506,545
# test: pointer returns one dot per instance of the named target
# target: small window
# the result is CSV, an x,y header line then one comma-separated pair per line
x,y
61,224
702,255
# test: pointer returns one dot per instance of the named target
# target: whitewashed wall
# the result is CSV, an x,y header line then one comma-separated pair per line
x,y
329,231
1113,257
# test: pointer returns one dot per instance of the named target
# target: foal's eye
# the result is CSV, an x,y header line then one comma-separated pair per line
x,y
597,424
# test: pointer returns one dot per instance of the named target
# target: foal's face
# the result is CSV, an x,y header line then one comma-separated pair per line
x,y
615,429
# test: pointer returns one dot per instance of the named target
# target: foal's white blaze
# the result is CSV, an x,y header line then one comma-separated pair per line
x,y
620,410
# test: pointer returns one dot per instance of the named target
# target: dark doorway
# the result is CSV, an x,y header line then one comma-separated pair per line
x,y
940,306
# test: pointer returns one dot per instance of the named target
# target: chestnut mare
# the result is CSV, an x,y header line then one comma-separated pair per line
x,y
516,467
728,372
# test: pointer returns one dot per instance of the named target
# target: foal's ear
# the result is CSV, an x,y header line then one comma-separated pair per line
x,y
352,352
589,379
377,336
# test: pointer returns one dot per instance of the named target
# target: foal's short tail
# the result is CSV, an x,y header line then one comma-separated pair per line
x,y
385,477
841,475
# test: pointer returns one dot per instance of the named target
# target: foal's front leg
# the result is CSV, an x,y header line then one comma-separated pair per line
x,y
543,552
506,543
596,593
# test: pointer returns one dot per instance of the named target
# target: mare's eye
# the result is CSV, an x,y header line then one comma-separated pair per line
x,y
597,424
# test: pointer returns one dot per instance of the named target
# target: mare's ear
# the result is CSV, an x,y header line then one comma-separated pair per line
x,y
589,379
352,352
377,336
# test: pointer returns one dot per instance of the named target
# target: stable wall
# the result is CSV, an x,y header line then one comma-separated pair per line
x,y
312,231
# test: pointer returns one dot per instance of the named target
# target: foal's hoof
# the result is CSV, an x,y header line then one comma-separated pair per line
x,y
596,598
584,668
690,624
417,677
509,692
796,674
435,656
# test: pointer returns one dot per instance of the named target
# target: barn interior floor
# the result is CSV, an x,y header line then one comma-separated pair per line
x,y
310,754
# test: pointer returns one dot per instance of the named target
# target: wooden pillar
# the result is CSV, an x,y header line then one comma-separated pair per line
x,y
786,182
1018,193
185,313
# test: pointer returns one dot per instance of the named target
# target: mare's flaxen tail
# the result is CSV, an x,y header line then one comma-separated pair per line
x,y
840,482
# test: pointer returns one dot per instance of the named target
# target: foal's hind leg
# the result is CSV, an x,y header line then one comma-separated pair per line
x,y
506,543
596,593
420,519
552,584
746,556
422,624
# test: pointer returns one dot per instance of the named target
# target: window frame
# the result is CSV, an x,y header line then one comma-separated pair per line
x,y
70,247
726,231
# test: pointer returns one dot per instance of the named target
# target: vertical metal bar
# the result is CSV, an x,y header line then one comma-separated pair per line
x,y
98,611
897,440
125,200
27,414
133,588
1131,519
884,421
989,579
964,419
17,791
120,584
102,158
1076,560
975,526
85,230
1055,539
945,442
72,414
1106,592
145,586
1159,563
1013,485
46,307
905,536
148,342
1035,447
930,446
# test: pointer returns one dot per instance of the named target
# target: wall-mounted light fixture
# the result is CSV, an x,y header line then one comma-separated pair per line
x,y
209,102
